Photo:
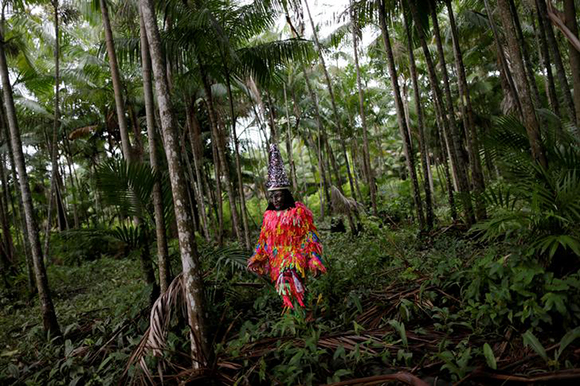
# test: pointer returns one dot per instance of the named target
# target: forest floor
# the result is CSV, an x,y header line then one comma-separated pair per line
x,y
442,307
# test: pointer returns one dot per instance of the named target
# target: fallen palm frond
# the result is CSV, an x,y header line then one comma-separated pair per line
x,y
342,204
154,340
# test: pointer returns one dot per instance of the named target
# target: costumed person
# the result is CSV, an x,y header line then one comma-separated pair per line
x,y
289,245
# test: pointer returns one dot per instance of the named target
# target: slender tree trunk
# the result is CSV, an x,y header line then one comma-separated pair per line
x,y
73,184
321,163
334,108
429,215
544,54
573,54
21,217
4,199
560,71
52,144
529,114
238,165
273,131
195,142
221,152
289,143
403,128
138,147
502,59
7,241
46,306
455,136
355,158
162,250
468,119
189,256
446,123
116,78
366,149
218,187
526,56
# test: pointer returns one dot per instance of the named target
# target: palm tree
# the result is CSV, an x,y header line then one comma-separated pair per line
x,y
403,128
447,124
187,246
573,54
116,78
335,110
560,72
162,251
429,216
468,117
529,114
49,319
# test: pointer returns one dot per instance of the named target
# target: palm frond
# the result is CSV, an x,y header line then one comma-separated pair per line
x,y
154,340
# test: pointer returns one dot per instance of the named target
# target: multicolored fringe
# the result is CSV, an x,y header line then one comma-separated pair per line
x,y
289,245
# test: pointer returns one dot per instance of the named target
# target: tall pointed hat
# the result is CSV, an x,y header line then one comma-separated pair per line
x,y
277,178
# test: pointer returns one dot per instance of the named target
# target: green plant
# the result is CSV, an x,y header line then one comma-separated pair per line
x,y
533,342
539,206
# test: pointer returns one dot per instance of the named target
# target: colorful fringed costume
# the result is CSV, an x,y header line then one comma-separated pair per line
x,y
288,247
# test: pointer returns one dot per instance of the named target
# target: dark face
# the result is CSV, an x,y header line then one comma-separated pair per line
x,y
278,199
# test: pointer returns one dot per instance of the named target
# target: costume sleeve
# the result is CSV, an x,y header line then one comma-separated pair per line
x,y
312,248
259,260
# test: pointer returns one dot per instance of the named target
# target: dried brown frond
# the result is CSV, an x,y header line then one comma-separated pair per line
x,y
81,132
154,340
342,204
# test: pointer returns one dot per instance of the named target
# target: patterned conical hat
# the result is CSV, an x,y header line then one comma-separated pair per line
x,y
277,178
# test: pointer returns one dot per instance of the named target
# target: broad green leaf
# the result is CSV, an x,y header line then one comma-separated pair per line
x,y
489,356
566,340
531,340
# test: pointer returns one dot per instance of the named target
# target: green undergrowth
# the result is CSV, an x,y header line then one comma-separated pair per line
x,y
446,304
93,302
441,305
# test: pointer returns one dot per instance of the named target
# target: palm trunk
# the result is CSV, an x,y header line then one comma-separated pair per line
x,y
321,163
50,322
7,241
73,185
447,124
52,144
504,68
560,71
116,78
544,54
21,217
354,162
195,143
289,144
366,149
526,56
6,233
334,109
238,165
273,131
189,256
574,56
218,187
455,136
428,187
162,250
221,152
468,119
403,128
529,114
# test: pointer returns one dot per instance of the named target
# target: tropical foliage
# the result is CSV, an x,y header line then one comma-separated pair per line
x,y
436,141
